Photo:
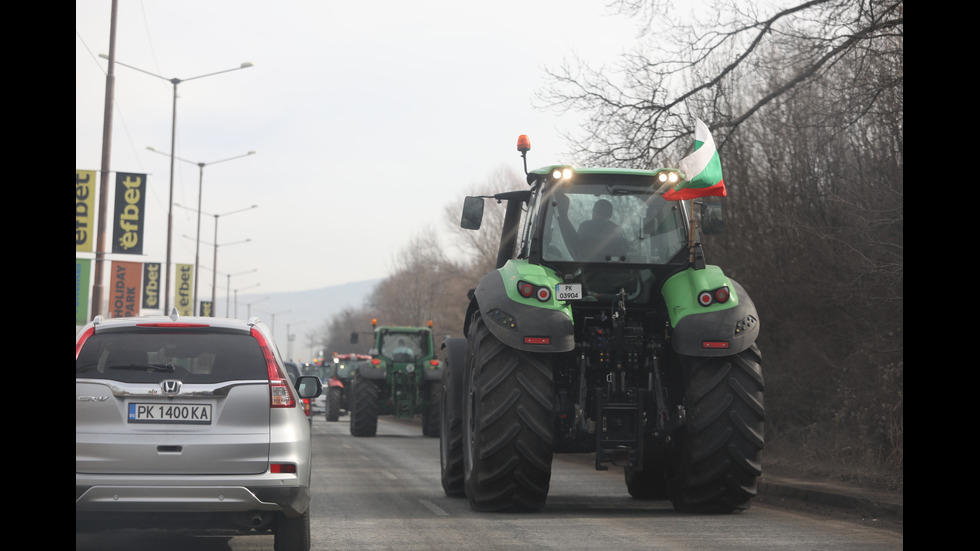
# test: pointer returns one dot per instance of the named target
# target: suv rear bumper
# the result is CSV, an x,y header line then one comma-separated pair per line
x,y
291,501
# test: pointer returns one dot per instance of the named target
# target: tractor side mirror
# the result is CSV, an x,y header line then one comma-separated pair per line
x,y
472,213
353,338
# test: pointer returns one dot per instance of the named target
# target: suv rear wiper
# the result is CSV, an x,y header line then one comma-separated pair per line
x,y
164,368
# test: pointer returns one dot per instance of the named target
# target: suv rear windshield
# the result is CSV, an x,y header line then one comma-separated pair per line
x,y
135,357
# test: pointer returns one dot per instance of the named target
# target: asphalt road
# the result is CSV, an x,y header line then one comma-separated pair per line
x,y
384,492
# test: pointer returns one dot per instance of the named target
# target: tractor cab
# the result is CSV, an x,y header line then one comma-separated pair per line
x,y
603,231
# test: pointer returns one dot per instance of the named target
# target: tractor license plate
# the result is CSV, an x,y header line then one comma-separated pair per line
x,y
568,291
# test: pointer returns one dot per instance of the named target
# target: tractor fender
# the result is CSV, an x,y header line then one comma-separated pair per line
x,y
335,382
431,373
521,326
737,325
373,372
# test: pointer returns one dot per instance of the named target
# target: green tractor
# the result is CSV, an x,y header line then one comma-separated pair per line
x,y
603,331
338,379
402,378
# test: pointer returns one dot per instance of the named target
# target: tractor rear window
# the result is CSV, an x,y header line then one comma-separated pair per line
x,y
405,346
150,357
606,224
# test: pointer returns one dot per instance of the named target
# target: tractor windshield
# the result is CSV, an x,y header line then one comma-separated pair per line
x,y
404,347
610,222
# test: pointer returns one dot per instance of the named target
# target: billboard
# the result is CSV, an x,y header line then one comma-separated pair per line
x,y
128,216
184,297
124,289
151,286
83,271
84,210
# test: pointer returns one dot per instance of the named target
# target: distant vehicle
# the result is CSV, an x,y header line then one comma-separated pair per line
x,y
292,369
340,376
319,405
191,424
403,378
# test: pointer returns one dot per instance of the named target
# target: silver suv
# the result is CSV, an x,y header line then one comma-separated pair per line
x,y
190,424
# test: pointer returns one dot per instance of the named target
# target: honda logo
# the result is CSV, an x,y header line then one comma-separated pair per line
x,y
170,386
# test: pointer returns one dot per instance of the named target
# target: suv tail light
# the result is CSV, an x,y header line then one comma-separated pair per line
x,y
281,395
81,341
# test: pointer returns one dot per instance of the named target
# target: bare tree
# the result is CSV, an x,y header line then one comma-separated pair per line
x,y
408,295
647,113
478,248
337,333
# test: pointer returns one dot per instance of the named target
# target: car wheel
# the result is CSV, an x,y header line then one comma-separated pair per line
x,y
292,534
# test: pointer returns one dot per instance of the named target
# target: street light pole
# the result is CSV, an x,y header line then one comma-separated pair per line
x,y
236,297
200,188
215,272
228,292
249,306
274,314
173,140
214,278
289,339
110,86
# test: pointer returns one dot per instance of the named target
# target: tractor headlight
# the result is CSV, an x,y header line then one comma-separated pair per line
x,y
562,173
668,176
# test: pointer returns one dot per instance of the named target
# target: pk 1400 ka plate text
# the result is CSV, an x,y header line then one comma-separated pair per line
x,y
199,414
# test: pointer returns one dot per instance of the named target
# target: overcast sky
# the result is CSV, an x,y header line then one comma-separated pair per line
x,y
367,118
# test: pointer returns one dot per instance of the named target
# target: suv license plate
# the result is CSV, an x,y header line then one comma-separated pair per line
x,y
191,414
568,291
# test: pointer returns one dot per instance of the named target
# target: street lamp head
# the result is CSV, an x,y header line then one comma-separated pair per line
x,y
246,64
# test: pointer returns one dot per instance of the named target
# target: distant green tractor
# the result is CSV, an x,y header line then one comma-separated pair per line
x,y
403,378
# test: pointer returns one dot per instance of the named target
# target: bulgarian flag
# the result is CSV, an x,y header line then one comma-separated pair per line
x,y
705,166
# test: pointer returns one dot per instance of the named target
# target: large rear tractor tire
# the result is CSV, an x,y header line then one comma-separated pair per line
x,y
507,424
450,420
430,416
334,396
716,461
364,410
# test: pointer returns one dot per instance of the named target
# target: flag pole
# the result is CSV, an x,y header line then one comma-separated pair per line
x,y
690,236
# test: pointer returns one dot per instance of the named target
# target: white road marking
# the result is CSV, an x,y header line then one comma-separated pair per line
x,y
434,508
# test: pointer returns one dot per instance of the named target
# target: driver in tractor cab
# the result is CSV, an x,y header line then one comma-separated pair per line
x,y
596,239
402,349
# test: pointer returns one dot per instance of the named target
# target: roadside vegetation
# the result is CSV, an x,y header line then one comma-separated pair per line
x,y
805,102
